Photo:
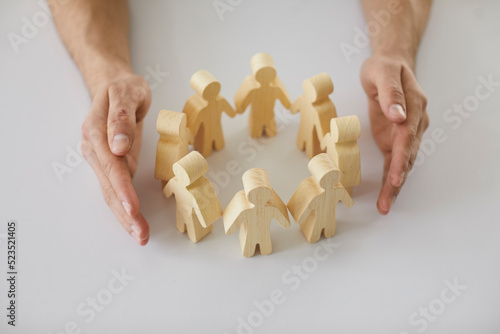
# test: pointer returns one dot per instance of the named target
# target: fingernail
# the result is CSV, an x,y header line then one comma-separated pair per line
x,y
121,143
396,110
126,206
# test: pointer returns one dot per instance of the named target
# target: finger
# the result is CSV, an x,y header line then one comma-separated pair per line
x,y
413,152
137,227
403,142
390,93
406,139
115,168
123,105
389,192
384,198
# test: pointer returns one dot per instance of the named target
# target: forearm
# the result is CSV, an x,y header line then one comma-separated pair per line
x,y
401,37
95,33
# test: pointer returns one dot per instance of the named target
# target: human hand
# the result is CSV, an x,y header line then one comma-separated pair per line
x,y
398,117
112,136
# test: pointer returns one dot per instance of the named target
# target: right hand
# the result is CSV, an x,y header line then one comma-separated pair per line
x,y
112,136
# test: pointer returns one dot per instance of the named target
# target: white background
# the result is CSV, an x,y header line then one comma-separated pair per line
x,y
444,226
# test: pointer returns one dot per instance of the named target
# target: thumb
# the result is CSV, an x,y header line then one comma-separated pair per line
x,y
391,97
121,123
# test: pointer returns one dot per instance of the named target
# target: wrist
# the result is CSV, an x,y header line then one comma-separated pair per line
x,y
101,70
399,56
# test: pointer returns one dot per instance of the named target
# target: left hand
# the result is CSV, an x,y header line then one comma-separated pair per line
x,y
398,117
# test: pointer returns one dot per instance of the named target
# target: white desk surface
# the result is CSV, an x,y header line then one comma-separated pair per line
x,y
384,271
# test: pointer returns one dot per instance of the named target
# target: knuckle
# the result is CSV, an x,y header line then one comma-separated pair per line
x,y
108,166
138,94
411,134
426,120
107,193
85,130
120,117
411,162
91,134
396,93
424,99
86,150
116,89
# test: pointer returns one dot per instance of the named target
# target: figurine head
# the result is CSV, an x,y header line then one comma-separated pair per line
x,y
318,87
344,129
324,171
205,84
257,187
172,124
263,68
190,168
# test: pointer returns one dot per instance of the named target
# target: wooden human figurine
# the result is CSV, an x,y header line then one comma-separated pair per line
x,y
261,90
204,111
253,209
342,147
313,203
173,143
316,109
197,203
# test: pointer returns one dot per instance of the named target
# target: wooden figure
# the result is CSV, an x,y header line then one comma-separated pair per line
x,y
173,143
261,90
316,110
197,203
253,209
313,203
204,110
342,147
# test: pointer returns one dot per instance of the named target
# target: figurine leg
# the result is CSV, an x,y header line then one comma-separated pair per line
x,y
195,230
265,244
311,229
179,219
329,230
255,130
247,245
218,142
316,146
270,128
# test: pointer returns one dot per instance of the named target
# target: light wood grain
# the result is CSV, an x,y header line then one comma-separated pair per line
x,y
204,112
342,147
313,204
252,210
197,204
260,91
316,110
173,143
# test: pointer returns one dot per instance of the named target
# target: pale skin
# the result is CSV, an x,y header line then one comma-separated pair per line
x,y
389,81
95,33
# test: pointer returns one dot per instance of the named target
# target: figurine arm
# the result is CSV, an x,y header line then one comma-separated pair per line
x,y
192,110
243,96
234,213
282,93
325,141
227,108
297,105
278,210
206,204
168,190
344,196
301,201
